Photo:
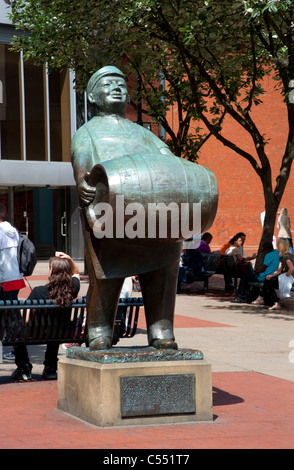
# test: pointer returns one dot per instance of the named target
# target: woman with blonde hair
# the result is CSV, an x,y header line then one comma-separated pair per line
x,y
284,227
63,286
286,266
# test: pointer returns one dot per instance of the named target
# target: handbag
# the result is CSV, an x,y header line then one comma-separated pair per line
x,y
285,285
2,293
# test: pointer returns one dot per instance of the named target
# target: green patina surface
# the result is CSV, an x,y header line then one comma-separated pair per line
x,y
133,354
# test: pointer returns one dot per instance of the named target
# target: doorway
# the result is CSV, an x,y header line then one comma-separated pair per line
x,y
42,213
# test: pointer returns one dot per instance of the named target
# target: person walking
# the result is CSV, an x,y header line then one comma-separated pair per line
x,y
284,227
11,279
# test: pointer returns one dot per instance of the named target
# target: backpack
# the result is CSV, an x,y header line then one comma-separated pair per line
x,y
2,293
26,255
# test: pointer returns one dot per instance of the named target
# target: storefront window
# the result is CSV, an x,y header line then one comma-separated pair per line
x,y
10,141
55,117
34,112
83,108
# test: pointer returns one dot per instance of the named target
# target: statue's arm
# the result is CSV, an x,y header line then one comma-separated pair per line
x,y
82,162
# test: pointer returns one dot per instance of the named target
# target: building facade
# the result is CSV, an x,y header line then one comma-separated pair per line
x,y
37,121
39,114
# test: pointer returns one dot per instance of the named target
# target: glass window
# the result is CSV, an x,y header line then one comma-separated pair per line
x,y
10,140
83,108
34,112
11,144
55,116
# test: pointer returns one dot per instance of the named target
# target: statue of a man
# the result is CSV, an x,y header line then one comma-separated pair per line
x,y
104,140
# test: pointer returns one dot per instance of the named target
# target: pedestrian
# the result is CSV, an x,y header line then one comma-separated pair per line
x,y
11,279
284,227
63,286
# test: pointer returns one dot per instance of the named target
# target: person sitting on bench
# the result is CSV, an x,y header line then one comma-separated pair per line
x,y
63,287
205,242
270,265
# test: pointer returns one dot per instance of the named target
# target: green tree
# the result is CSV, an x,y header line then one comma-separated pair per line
x,y
213,56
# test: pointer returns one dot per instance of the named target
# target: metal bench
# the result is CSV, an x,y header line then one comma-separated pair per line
x,y
198,266
43,321
260,284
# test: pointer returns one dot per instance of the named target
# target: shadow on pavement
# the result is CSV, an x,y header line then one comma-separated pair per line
x,y
221,397
217,292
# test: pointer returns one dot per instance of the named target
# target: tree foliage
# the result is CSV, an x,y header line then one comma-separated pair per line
x,y
213,56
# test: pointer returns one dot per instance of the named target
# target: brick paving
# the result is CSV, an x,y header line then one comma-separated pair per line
x,y
253,385
251,411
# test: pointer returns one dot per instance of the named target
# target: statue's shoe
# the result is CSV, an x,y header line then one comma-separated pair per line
x,y
99,344
164,344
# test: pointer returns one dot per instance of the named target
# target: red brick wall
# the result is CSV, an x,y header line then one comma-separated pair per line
x,y
241,198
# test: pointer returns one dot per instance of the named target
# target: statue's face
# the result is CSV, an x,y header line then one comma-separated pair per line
x,y
111,95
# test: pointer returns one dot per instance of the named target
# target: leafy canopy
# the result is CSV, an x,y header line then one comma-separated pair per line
x,y
213,56
203,49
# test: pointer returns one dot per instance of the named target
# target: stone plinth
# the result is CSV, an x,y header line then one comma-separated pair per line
x,y
135,386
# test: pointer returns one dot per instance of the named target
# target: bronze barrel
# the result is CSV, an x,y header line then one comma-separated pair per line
x,y
139,184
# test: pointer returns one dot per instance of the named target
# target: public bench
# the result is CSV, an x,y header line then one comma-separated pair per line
x,y
43,321
258,285
198,266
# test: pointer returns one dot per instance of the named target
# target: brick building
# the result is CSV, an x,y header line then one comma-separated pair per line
x,y
241,200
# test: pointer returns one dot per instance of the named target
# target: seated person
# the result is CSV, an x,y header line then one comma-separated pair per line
x,y
222,263
230,242
191,264
63,286
234,250
286,265
240,263
270,265
205,242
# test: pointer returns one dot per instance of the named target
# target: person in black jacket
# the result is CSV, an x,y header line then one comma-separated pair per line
x,y
63,287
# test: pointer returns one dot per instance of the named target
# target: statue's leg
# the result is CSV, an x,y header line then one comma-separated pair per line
x,y
102,300
159,294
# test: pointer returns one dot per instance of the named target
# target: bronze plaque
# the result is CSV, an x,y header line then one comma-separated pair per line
x,y
155,395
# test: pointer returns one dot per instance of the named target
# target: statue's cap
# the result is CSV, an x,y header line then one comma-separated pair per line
x,y
108,70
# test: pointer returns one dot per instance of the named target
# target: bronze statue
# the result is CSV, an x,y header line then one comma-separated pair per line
x,y
113,157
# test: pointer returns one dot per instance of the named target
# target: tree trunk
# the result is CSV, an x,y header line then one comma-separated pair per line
x,y
271,207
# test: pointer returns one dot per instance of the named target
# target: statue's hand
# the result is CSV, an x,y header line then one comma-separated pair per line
x,y
86,192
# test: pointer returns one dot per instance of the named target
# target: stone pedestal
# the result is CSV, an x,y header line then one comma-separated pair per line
x,y
135,386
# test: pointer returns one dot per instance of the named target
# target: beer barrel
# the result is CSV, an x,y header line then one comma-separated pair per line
x,y
153,190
